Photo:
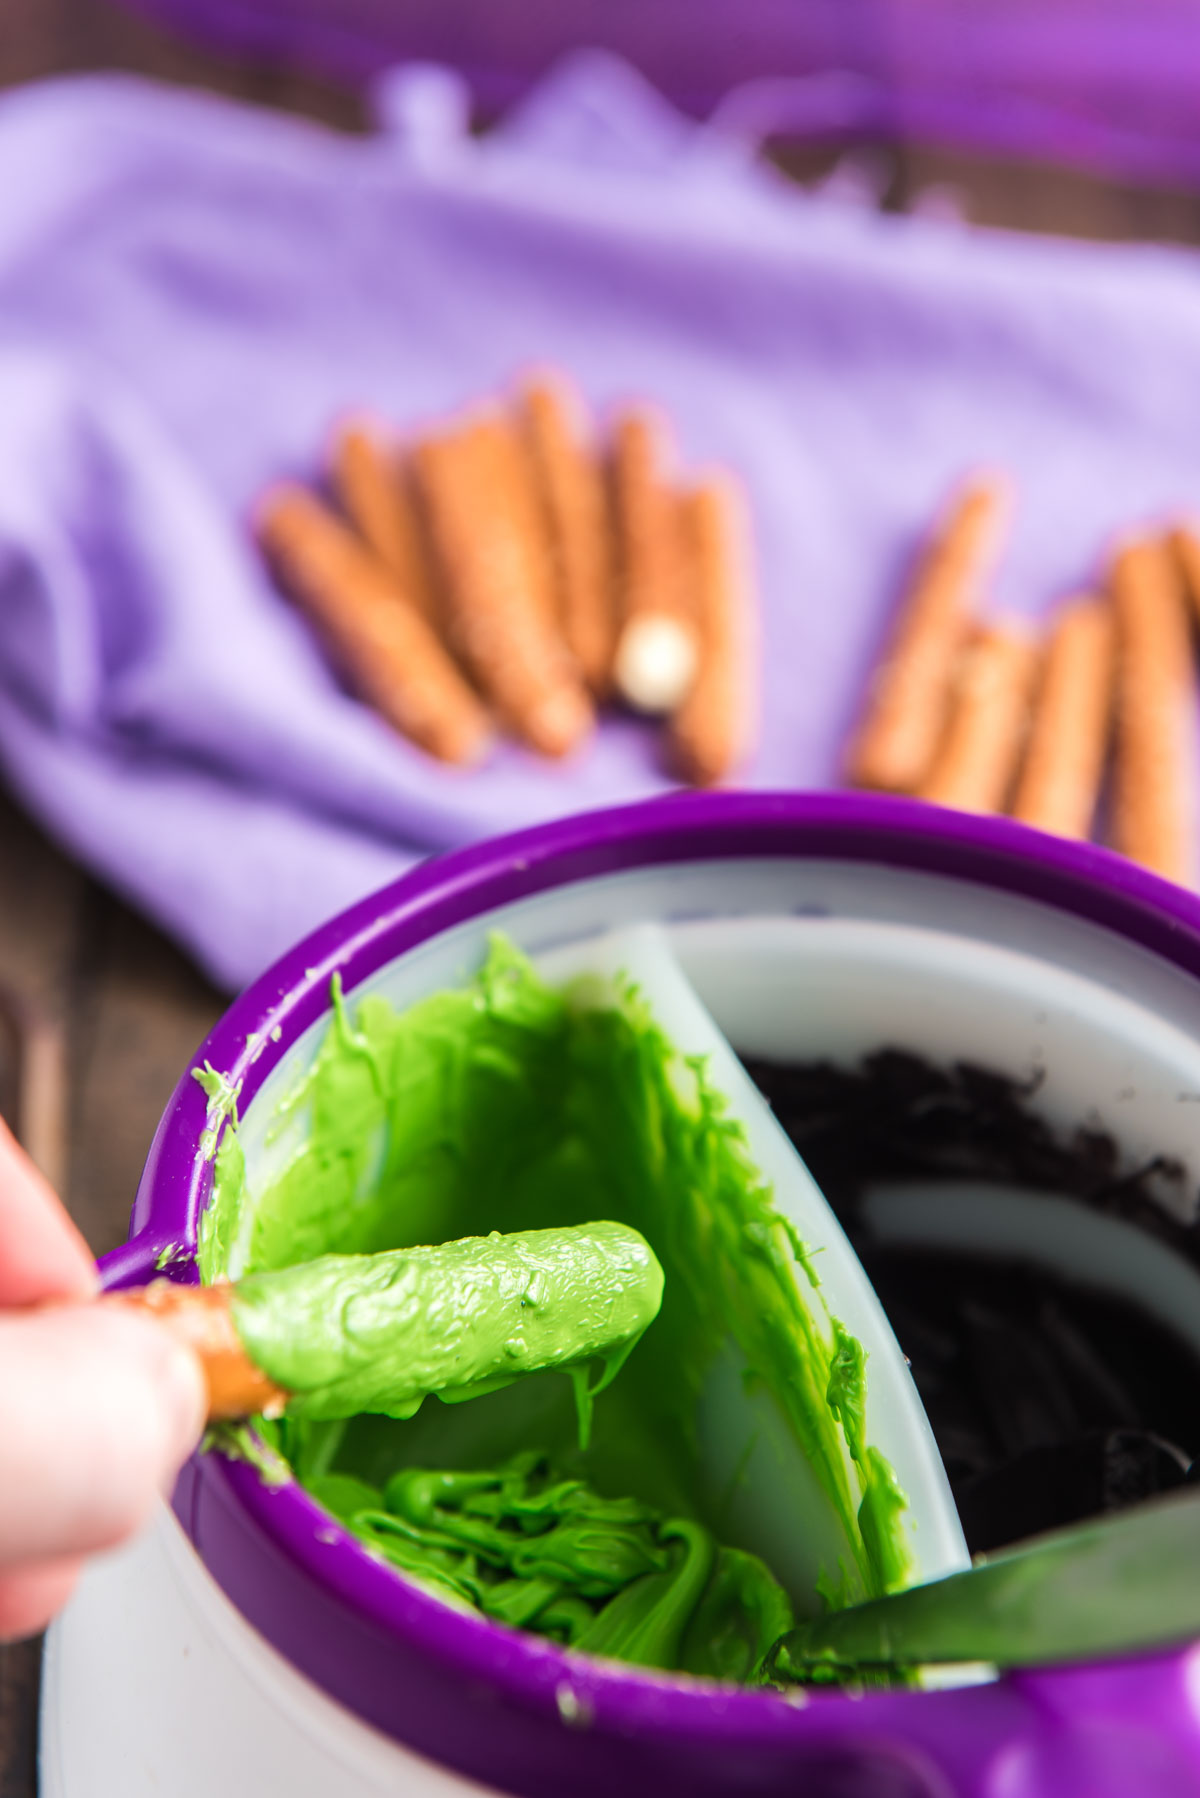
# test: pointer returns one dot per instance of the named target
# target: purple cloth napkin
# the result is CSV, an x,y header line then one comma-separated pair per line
x,y
191,293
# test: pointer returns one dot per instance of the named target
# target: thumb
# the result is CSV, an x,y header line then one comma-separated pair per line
x,y
98,1410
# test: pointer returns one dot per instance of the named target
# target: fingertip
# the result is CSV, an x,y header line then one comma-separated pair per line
x,y
32,1597
160,1382
99,1407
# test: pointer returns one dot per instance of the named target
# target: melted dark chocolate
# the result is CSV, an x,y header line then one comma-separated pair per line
x,y
1049,1402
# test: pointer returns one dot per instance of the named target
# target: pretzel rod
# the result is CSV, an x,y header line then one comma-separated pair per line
x,y
1185,542
499,601
349,1333
369,479
202,1317
1064,757
571,486
975,763
658,642
711,731
1153,819
910,692
389,652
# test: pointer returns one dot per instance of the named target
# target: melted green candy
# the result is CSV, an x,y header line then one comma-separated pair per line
x,y
606,1576
351,1333
509,1105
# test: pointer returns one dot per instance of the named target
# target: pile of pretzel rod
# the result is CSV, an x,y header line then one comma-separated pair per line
x,y
991,714
509,572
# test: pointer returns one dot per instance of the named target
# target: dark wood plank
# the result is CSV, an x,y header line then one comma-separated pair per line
x,y
114,1008
20,1681
52,37
1036,196
41,899
140,1009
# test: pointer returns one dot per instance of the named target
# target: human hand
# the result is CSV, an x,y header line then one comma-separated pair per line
x,y
99,1406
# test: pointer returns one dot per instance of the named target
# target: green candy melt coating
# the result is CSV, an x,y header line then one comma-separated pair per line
x,y
352,1333
508,1104
606,1576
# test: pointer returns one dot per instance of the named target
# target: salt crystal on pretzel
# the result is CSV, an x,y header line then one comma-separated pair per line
x,y
387,649
499,600
1068,737
658,641
1154,773
978,755
574,504
368,476
911,688
712,731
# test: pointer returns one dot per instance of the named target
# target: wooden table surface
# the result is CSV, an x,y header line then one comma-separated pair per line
x,y
118,1009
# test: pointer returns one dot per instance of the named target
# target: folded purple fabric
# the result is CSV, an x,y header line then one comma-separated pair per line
x,y
190,294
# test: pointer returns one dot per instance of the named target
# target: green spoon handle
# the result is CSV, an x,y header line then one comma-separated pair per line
x,y
1124,1582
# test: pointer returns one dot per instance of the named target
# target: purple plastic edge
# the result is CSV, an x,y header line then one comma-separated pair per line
x,y
1078,878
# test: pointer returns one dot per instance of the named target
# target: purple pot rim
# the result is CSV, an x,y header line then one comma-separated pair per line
x,y
1090,882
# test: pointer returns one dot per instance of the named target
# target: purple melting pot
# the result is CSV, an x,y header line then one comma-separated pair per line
x,y
1120,954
